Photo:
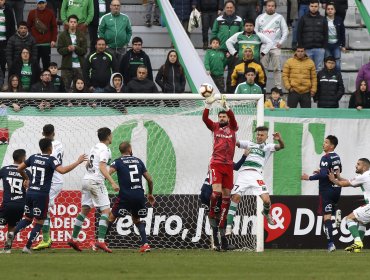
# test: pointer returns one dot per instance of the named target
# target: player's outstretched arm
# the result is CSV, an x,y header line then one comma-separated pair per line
x,y
103,169
150,196
232,121
277,137
341,182
209,123
68,168
21,169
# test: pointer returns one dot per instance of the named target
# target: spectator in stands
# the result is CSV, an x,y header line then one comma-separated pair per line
x,y
171,77
141,84
215,61
99,67
43,25
132,59
225,26
363,74
17,7
14,85
100,9
238,75
299,76
152,11
336,35
27,69
183,9
360,99
84,10
21,39
72,46
330,88
258,42
56,80
210,10
313,34
79,86
273,25
275,101
249,86
115,28
115,84
7,27
341,7
45,84
248,9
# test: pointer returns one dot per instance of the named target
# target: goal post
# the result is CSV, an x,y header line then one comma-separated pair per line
x,y
166,132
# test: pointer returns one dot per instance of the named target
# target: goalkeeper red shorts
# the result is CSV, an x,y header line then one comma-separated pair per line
x,y
222,174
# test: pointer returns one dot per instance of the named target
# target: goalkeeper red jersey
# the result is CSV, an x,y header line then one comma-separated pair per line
x,y
224,138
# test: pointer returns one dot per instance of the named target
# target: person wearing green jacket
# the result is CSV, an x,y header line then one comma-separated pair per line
x,y
215,61
83,9
249,87
115,28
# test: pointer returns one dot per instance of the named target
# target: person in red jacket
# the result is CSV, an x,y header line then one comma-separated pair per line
x,y
43,26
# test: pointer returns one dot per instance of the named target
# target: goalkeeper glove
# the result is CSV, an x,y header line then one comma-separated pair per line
x,y
223,103
209,101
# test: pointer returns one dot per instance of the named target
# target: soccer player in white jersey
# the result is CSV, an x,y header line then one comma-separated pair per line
x,y
250,175
94,192
357,220
48,132
273,25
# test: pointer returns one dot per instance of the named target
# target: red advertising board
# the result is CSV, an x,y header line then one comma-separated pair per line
x,y
63,214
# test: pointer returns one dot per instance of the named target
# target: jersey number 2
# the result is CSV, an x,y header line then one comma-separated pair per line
x,y
133,172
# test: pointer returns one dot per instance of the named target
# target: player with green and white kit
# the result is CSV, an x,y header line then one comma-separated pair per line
x,y
250,175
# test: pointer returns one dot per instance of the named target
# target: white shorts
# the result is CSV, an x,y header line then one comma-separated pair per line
x,y
362,214
55,190
249,182
94,194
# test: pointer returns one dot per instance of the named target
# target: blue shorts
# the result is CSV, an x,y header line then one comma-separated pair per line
x,y
131,204
328,201
37,205
11,214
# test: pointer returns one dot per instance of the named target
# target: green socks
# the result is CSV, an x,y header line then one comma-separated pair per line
x,y
103,226
231,213
46,230
78,225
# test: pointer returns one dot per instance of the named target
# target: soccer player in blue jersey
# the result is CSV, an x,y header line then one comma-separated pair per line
x,y
14,196
37,198
131,198
329,194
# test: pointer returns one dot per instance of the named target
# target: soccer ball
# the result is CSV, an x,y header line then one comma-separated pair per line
x,y
206,90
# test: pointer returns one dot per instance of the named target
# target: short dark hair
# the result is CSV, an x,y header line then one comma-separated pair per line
x,y
277,90
249,69
19,155
269,1
248,20
53,64
72,16
43,71
124,147
137,40
103,133
48,129
22,23
261,128
45,144
215,39
366,161
314,2
333,140
222,112
229,1
329,58
142,66
100,39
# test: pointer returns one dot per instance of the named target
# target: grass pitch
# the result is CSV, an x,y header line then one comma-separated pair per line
x,y
185,264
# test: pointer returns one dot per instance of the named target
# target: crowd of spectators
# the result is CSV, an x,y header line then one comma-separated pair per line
x,y
246,40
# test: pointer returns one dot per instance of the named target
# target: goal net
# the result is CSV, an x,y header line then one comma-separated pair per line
x,y
166,132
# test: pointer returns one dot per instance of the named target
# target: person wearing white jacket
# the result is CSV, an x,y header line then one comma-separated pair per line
x,y
274,26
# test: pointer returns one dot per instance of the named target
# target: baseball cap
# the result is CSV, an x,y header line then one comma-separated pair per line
x,y
40,1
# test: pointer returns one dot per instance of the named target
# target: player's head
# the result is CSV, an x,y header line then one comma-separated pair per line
x,y
46,146
261,134
330,143
19,156
223,118
125,148
363,165
105,135
48,131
